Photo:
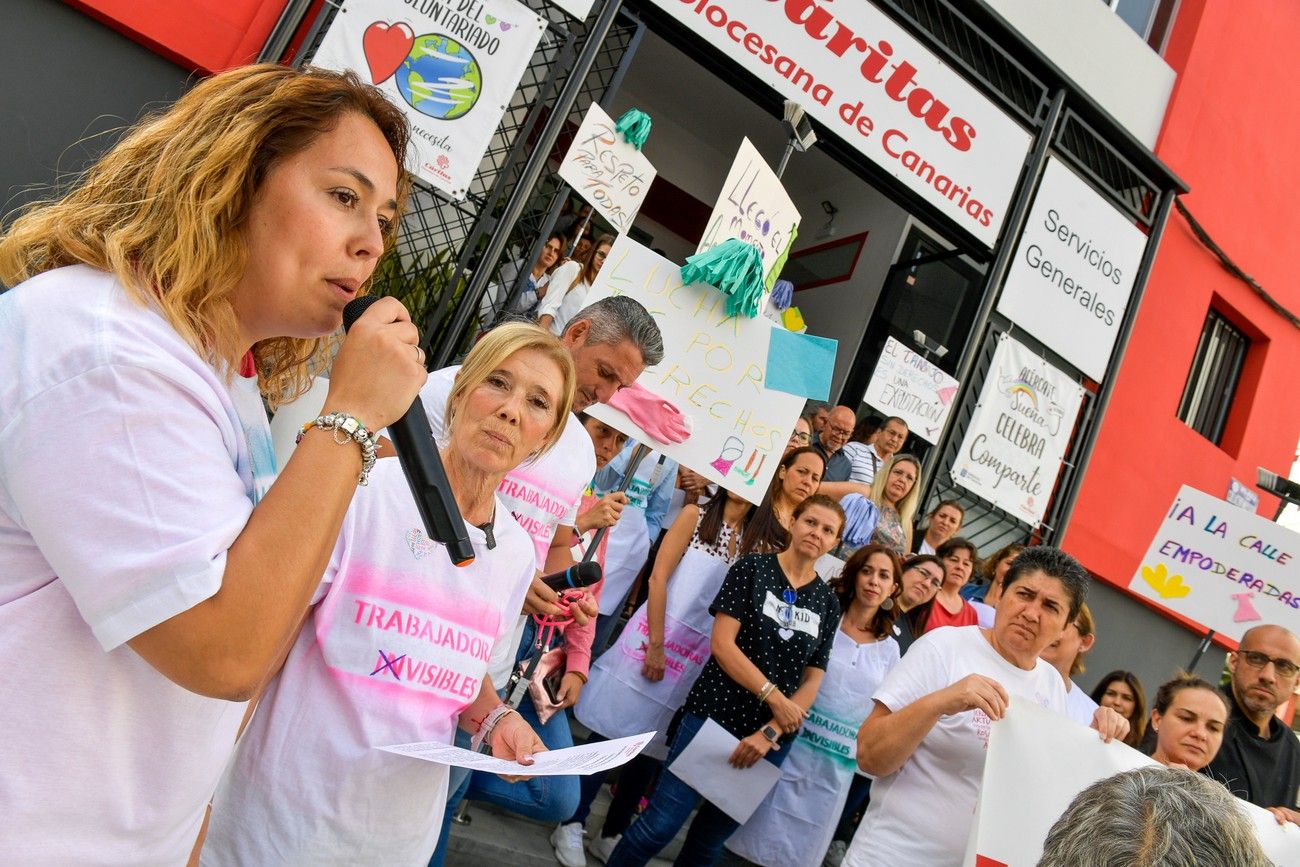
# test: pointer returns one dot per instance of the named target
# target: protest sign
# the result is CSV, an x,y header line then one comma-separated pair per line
x,y
1012,450
908,386
1037,762
607,171
754,207
1221,566
451,65
713,371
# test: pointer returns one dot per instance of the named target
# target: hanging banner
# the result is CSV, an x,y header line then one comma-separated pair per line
x,y
1222,566
1073,272
579,9
882,92
1037,763
607,171
451,65
754,207
1018,434
713,370
907,385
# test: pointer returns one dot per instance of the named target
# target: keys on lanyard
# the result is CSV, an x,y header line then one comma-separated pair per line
x,y
789,597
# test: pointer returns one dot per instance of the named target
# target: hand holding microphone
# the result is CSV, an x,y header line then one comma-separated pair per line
x,y
379,370
561,594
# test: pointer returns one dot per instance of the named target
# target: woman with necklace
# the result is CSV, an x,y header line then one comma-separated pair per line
x,y
895,491
790,826
774,626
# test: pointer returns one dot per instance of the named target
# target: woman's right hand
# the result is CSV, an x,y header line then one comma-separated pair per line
x,y
785,713
975,692
652,668
380,368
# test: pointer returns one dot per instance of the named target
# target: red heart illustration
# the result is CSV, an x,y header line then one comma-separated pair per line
x,y
386,46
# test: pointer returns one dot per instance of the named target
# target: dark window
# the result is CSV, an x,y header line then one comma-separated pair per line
x,y
1212,382
1150,19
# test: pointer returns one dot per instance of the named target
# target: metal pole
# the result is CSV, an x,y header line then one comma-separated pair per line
x,y
785,157
280,36
1201,650
633,463
1071,496
997,272
532,170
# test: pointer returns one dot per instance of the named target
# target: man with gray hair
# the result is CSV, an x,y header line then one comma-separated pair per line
x,y
1153,817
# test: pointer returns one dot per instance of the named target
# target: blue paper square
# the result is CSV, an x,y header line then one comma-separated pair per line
x,y
800,364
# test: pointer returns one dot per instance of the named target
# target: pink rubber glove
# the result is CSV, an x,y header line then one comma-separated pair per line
x,y
652,413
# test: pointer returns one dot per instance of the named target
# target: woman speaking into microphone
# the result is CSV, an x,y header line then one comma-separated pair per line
x,y
150,573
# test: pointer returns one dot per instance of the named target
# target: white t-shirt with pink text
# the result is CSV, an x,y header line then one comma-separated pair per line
x,y
394,650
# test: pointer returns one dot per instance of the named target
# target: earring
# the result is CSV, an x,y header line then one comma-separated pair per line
x,y
888,604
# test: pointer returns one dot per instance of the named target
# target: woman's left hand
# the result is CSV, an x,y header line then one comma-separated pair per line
x,y
513,739
750,750
1110,724
570,688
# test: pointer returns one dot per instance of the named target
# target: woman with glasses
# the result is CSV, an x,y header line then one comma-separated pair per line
x,y
895,492
801,436
569,287
540,276
948,608
922,578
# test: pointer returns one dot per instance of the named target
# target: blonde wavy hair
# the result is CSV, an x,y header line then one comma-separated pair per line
x,y
165,209
496,346
906,507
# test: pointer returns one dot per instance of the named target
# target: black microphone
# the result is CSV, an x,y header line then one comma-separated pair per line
x,y
422,465
578,575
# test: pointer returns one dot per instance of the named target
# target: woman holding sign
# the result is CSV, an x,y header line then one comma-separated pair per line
x,y
774,626
791,825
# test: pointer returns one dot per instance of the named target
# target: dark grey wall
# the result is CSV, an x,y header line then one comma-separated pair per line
x,y
65,77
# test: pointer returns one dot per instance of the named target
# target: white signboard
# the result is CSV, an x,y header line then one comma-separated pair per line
x,y
713,371
452,65
1013,447
1238,495
754,207
1072,275
1038,762
607,171
882,92
1221,566
906,385
579,9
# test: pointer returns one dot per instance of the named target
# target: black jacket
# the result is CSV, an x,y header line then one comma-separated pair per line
x,y
1264,771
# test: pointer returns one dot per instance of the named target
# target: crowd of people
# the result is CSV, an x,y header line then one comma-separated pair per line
x,y
208,631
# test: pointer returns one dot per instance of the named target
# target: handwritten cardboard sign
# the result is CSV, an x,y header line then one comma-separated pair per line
x,y
607,171
713,370
1012,451
1222,566
906,385
754,207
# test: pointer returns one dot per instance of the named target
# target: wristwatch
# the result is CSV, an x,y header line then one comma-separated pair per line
x,y
771,732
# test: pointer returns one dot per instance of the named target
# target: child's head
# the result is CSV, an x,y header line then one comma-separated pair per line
x,y
607,441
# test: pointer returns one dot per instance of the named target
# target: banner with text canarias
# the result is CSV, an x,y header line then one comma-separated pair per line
x,y
881,91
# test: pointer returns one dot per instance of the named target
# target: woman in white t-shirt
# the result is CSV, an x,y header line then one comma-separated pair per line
x,y
569,286
197,269
397,645
925,741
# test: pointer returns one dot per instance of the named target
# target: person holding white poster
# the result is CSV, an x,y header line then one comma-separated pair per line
x,y
927,738
1188,717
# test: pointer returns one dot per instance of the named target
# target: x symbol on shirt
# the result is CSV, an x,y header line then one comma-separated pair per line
x,y
386,663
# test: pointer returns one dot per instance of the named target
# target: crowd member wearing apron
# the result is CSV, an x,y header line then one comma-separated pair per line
x,y
790,826
774,625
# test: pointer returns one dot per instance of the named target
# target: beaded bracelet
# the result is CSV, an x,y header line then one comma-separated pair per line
x,y
489,723
350,429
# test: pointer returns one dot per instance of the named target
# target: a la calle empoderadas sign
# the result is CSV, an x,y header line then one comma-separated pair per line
x,y
881,91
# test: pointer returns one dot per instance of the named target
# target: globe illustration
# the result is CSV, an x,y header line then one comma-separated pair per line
x,y
440,77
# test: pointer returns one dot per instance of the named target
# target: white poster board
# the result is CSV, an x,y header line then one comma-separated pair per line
x,y
451,65
607,171
1222,566
713,371
1073,271
1037,762
905,384
754,207
868,81
1012,450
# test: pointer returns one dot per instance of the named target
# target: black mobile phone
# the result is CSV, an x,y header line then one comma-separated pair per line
x,y
551,685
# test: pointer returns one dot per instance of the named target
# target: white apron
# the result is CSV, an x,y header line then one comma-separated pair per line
x,y
619,701
795,822
629,539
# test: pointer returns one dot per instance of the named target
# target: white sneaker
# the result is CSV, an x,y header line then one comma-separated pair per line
x,y
835,854
567,840
602,847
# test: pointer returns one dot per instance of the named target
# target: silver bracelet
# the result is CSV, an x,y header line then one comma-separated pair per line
x,y
347,428
489,723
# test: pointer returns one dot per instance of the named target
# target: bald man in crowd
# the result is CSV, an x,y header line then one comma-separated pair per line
x,y
838,479
1260,757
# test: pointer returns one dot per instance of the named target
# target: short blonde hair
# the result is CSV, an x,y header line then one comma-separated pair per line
x,y
165,209
496,346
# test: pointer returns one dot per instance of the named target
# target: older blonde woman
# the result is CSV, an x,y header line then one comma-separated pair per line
x,y
896,491
196,270
396,647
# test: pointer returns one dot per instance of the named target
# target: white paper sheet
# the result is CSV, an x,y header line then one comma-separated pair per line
x,y
586,759
704,766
